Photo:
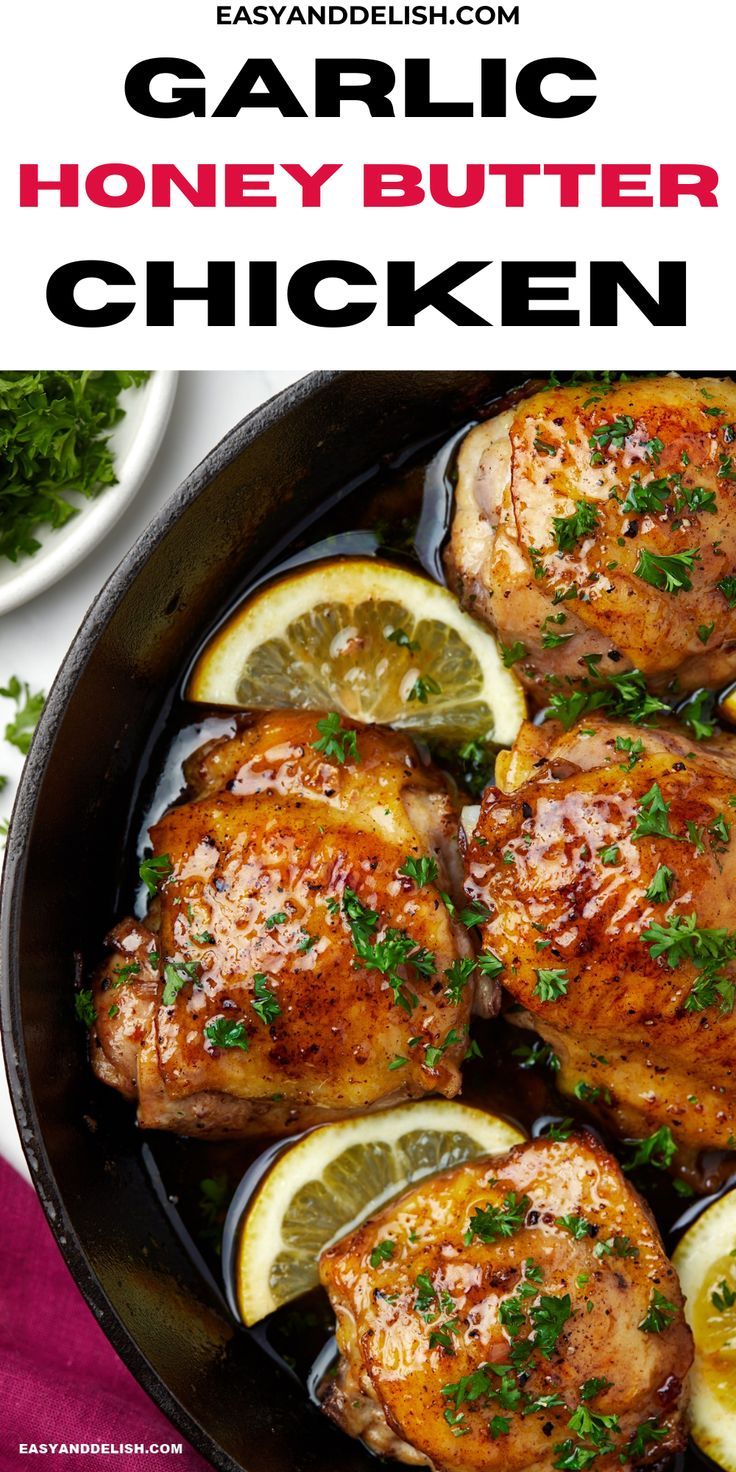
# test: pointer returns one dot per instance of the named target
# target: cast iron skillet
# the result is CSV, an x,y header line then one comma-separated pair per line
x,y
272,471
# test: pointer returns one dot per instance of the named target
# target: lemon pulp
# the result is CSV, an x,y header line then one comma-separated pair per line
x,y
713,1321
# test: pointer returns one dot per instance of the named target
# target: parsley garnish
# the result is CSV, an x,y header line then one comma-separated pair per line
x,y
489,965
551,985
492,1223
723,1297
400,637
264,1002
222,1032
84,1007
422,871
620,695
610,855
697,715
658,1149
395,949
458,975
612,434
28,707
635,750
54,433
382,1252
280,916
727,586
670,572
155,870
654,816
512,653
176,976
424,686
659,1315
335,741
577,1226
659,889
568,530
474,914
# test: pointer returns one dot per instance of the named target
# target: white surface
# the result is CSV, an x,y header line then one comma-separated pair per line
x,y
34,639
134,442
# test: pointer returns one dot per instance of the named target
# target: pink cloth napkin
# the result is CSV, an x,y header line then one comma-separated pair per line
x,y
60,1379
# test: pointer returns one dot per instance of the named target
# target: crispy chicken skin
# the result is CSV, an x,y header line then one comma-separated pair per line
x,y
261,858
555,1303
539,461
557,860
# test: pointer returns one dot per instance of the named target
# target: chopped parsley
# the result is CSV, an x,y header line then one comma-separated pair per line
x,y
620,695
176,976
264,1002
668,572
489,965
222,1032
653,820
280,916
423,687
551,984
611,855
727,586
84,1008
634,749
659,1315
492,1223
659,891
382,1252
422,871
577,1226
155,871
612,435
512,653
28,707
400,637
658,1149
569,530
723,1297
458,975
395,949
335,742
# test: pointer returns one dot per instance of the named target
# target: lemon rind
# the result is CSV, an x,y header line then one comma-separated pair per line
x,y
351,580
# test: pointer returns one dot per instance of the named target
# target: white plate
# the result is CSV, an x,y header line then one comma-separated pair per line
x,y
134,442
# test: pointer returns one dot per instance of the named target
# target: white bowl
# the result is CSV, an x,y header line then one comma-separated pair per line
x,y
134,442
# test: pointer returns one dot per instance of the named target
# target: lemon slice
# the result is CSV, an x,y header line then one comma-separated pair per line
x,y
336,1176
706,1262
368,639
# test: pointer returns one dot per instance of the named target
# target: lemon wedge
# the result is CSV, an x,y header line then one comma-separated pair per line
x,y
334,1177
705,1260
371,640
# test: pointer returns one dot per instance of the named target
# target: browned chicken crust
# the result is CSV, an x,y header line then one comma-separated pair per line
x,y
557,860
253,908
563,596
468,1355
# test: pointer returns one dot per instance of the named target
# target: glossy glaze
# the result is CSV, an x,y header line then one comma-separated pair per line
x,y
260,858
390,1384
622,1031
535,462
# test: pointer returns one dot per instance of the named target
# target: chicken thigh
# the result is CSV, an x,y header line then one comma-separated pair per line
x,y
514,1314
299,961
608,871
598,523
